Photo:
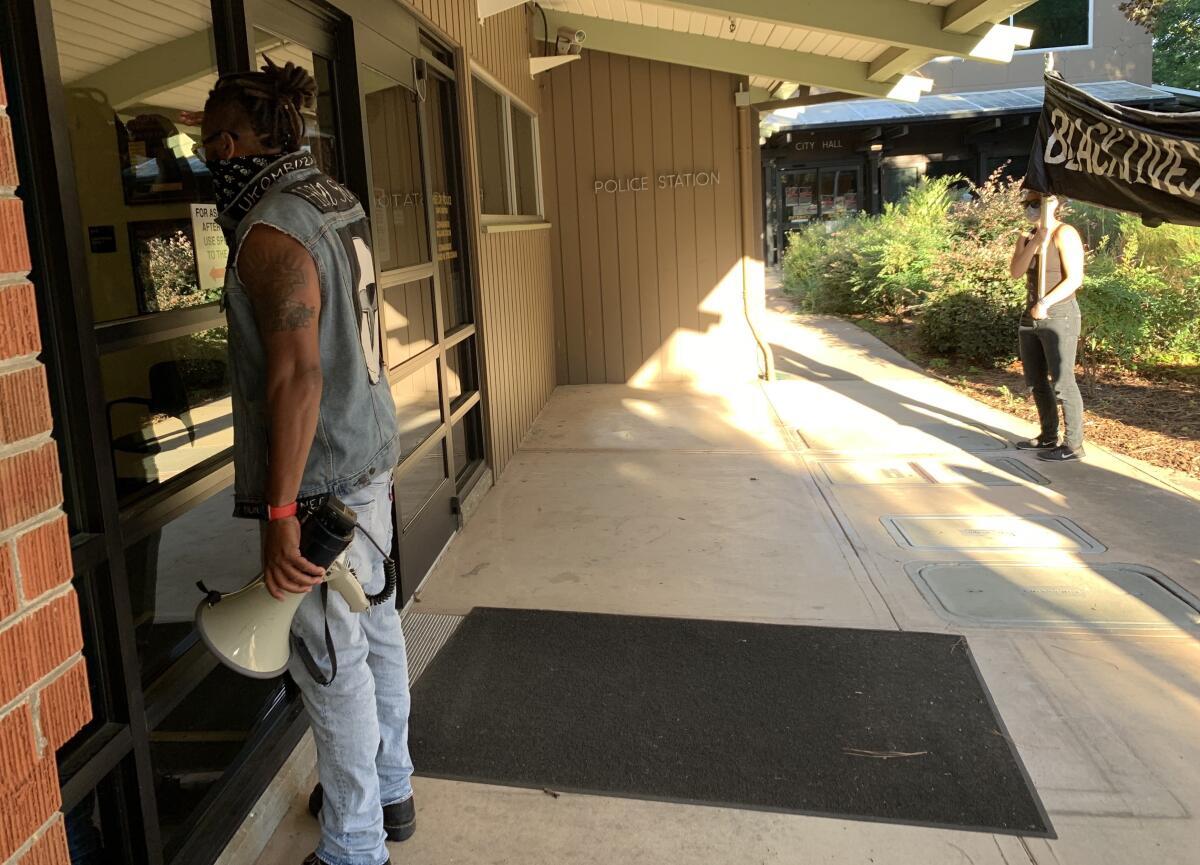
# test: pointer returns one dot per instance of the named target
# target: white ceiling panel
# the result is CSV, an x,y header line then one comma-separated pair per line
x,y
95,34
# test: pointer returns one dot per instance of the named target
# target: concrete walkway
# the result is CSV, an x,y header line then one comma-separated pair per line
x,y
856,492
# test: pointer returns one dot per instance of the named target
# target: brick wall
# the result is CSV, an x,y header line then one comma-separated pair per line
x,y
43,682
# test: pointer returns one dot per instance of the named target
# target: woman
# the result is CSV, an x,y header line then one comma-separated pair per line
x,y
1049,330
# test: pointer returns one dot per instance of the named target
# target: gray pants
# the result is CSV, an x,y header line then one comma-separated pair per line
x,y
1048,357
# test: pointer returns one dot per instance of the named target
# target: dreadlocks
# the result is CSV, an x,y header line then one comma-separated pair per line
x,y
272,100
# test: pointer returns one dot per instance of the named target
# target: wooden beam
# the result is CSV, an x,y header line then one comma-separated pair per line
x,y
891,22
803,101
153,71
897,61
160,68
723,55
963,16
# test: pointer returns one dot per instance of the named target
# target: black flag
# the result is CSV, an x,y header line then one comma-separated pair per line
x,y
1146,162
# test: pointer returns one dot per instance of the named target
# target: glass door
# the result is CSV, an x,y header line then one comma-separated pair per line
x,y
422,284
840,191
129,266
823,194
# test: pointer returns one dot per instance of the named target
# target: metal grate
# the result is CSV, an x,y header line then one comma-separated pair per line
x,y
424,636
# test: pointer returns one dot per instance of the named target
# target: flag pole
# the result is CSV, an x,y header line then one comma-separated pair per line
x,y
1045,247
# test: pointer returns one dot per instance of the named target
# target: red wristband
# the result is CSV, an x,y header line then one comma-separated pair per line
x,y
281,513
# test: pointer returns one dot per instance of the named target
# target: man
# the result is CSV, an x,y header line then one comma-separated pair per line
x,y
313,417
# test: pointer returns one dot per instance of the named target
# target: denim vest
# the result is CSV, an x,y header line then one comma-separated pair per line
x,y
356,437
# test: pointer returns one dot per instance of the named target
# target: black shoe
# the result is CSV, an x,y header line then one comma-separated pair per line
x,y
399,819
1037,444
1062,454
314,859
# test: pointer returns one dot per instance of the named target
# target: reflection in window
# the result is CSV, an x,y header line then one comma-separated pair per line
x,y
320,137
460,371
418,482
491,148
1056,23
408,320
98,825
448,212
133,112
194,745
525,162
93,588
397,198
418,406
168,407
205,543
467,437
898,180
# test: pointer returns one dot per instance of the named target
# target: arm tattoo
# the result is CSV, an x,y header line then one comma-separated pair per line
x,y
277,275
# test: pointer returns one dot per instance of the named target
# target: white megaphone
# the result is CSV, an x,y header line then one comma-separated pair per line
x,y
249,630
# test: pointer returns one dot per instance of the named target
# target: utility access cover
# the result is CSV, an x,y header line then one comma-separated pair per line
x,y
1105,596
880,471
963,438
990,532
954,471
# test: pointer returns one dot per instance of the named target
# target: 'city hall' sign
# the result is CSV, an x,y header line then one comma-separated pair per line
x,y
667,180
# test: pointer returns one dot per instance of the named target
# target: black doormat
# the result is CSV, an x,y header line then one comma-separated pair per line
x,y
873,725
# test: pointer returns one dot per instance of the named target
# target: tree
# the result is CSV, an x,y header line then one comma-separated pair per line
x,y
1175,25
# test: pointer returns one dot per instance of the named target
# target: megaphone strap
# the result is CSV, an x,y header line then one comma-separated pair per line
x,y
310,662
211,596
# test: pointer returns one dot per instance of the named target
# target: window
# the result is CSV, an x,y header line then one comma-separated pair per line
x,y
898,180
507,154
524,161
1057,23
177,743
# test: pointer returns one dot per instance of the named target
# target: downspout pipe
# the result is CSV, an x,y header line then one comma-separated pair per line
x,y
753,286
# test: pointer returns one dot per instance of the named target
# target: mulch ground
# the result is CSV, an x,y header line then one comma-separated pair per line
x,y
1153,415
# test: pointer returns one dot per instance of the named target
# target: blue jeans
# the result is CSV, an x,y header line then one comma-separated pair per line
x,y
360,720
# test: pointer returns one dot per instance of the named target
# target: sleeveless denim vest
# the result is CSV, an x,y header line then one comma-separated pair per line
x,y
356,437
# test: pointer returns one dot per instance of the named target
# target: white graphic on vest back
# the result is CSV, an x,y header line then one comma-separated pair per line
x,y
366,304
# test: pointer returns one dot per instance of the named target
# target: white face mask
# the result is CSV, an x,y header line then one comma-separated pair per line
x,y
1033,214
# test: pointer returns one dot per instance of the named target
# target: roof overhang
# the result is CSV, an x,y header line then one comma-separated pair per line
x,y
863,47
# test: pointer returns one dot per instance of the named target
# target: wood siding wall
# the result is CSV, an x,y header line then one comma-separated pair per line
x,y
648,284
518,306
500,45
514,301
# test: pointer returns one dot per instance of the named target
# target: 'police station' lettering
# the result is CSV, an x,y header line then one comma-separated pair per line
x,y
668,180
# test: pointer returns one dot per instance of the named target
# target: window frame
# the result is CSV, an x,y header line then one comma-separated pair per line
x,y
507,103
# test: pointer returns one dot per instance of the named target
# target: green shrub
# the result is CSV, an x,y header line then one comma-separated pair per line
x,y
1112,303
898,252
947,261
1140,298
972,323
799,261
877,265
819,264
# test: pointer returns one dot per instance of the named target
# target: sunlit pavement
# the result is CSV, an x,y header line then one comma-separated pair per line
x,y
854,491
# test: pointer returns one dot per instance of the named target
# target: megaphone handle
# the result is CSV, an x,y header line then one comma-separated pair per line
x,y
306,656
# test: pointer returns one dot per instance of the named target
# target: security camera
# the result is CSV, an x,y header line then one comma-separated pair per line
x,y
569,41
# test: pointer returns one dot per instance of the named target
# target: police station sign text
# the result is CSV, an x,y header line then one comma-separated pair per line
x,y
666,180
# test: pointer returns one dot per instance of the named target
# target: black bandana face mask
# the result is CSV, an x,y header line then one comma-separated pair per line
x,y
230,176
